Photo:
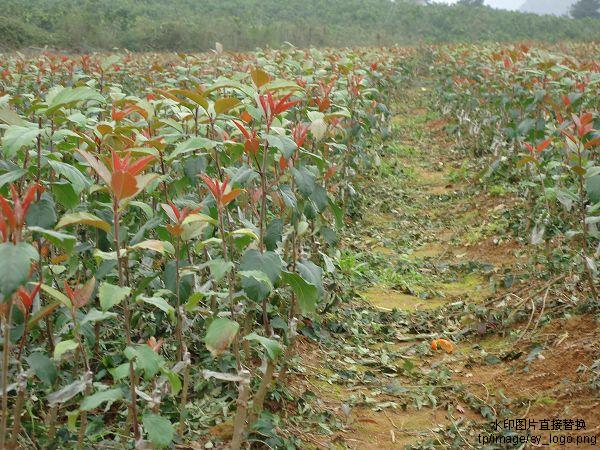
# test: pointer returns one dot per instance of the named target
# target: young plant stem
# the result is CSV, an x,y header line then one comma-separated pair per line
x,y
5,363
539,173
236,342
259,398
82,426
239,422
163,172
132,379
582,199
17,411
184,391
289,351
49,335
263,197
86,368
179,326
38,176
52,422
262,220
293,321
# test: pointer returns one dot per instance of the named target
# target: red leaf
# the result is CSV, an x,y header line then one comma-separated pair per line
x,y
8,212
229,197
592,142
139,165
212,186
243,129
544,145
82,296
123,185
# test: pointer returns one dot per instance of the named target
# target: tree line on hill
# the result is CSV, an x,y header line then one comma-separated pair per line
x,y
83,25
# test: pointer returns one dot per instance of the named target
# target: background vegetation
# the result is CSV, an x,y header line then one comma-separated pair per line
x,y
240,25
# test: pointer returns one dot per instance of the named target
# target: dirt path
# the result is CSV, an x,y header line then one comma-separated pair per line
x,y
428,253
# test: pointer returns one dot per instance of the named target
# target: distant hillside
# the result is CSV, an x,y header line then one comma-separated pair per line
x,y
84,25
555,7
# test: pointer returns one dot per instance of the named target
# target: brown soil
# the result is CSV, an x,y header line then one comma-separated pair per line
x,y
459,227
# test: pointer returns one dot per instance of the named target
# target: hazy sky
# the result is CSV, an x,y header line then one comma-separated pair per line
x,y
505,4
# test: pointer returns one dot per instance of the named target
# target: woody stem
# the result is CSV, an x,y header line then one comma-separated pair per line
x,y
132,379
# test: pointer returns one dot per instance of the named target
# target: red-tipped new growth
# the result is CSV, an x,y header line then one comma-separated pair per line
x,y
251,141
80,296
177,216
538,148
27,298
12,218
582,126
299,133
122,175
221,190
272,108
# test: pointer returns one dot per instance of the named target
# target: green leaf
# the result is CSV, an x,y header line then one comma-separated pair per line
x,y
289,198
329,235
105,256
219,268
307,293
174,381
194,226
193,166
273,234
192,144
305,180
57,295
155,245
16,137
193,301
160,430
186,281
64,346
159,302
95,400
220,335
83,218
146,359
70,96
272,347
320,197
96,316
147,209
15,261
111,295
62,240
282,143
312,274
241,175
256,284
9,117
11,177
43,367
593,188
119,372
338,213
77,179
65,194
41,213
268,262
72,420
259,271
244,232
